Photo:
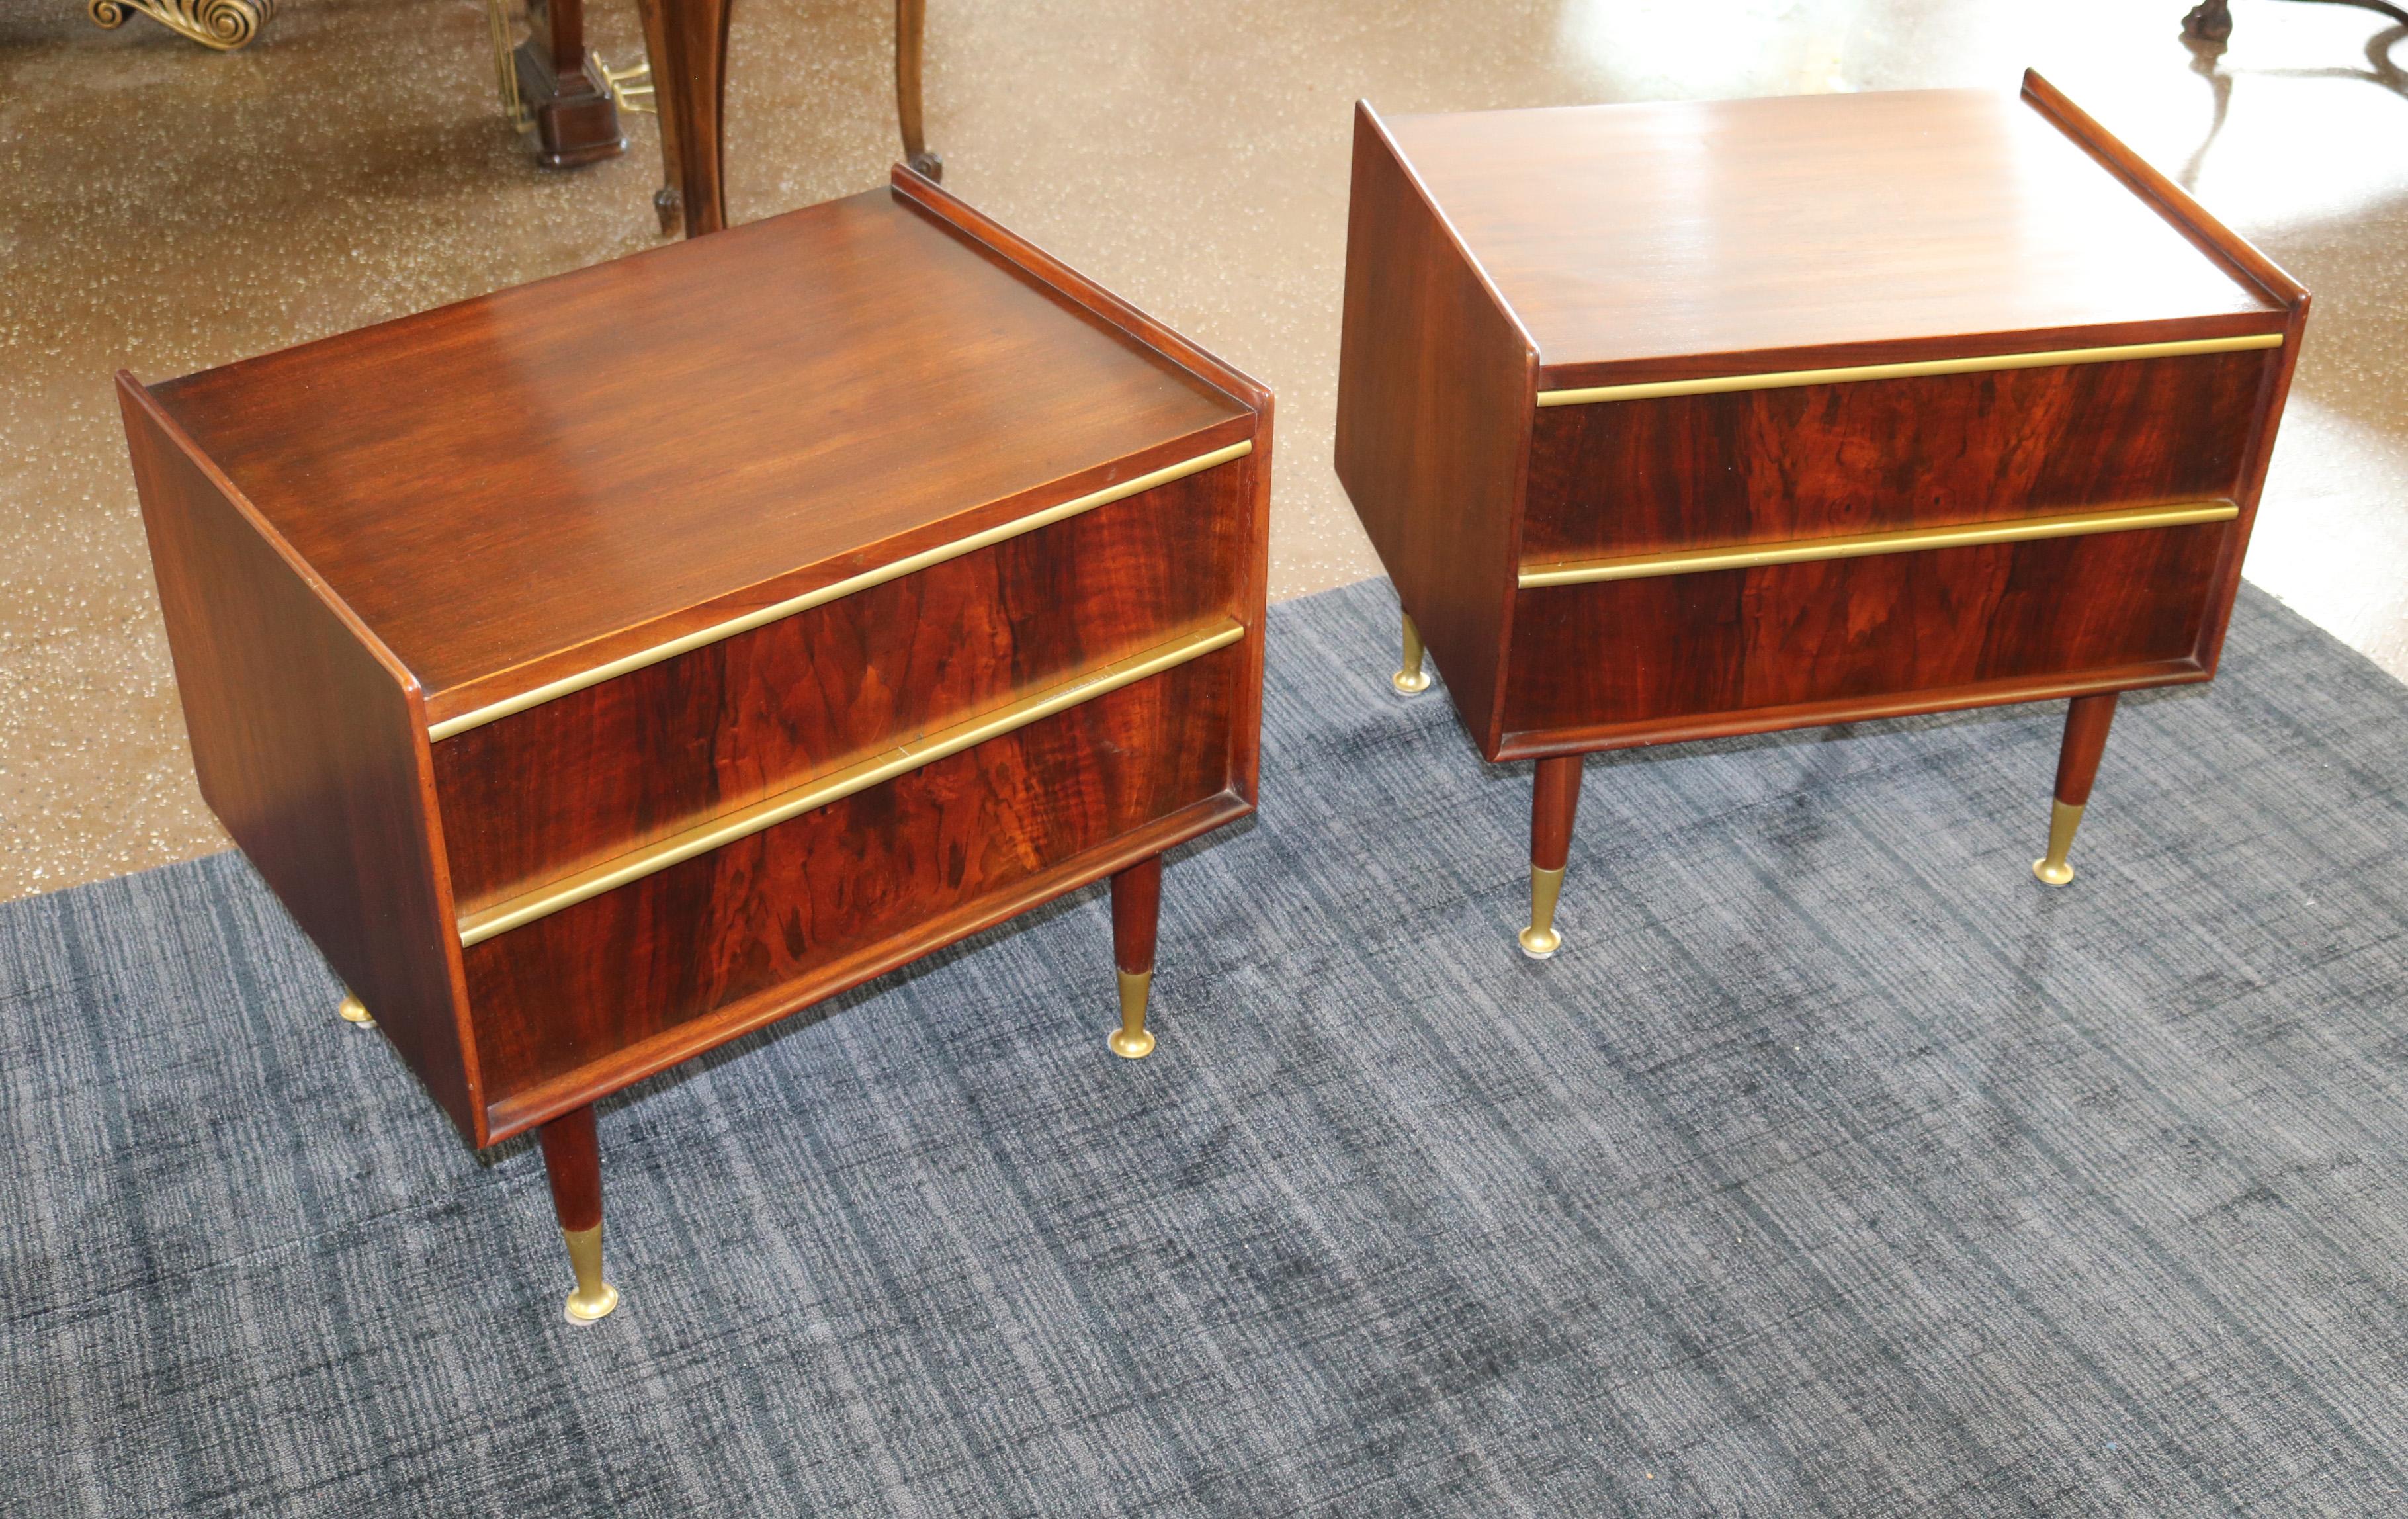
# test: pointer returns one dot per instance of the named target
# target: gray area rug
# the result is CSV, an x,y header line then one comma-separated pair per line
x,y
1835,1167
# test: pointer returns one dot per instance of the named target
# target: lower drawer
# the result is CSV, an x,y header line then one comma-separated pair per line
x,y
1608,660
789,908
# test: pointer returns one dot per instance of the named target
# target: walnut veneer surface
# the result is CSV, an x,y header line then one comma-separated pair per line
x,y
523,481
1627,236
1513,276
602,669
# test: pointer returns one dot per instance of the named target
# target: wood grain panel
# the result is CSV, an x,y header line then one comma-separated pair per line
x,y
812,894
1589,659
1751,466
1436,395
926,197
550,791
309,743
1648,241
568,469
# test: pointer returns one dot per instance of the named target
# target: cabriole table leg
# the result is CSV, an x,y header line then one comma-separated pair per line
x,y
572,1157
2077,765
1137,910
1554,798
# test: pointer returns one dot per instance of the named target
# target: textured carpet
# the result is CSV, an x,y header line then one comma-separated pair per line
x,y
1835,1166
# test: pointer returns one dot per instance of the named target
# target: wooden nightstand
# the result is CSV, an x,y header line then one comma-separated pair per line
x,y
1674,420
604,669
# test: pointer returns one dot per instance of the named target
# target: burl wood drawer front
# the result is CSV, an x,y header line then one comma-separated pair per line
x,y
1588,657
783,906
1628,477
550,791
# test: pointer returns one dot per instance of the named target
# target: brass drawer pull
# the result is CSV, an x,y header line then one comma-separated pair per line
x,y
1858,546
571,684
502,917
1783,380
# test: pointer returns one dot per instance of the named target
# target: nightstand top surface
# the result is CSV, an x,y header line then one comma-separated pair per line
x,y
494,482
1649,232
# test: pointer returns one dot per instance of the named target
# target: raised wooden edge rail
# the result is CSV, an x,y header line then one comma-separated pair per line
x,y
912,565
903,758
1718,384
1859,545
2172,200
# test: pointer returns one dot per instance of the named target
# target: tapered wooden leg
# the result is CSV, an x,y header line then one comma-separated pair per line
x,y
1137,910
1554,798
910,25
572,1157
2077,765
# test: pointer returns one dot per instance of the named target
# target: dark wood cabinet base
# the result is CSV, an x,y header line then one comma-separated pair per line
x,y
568,106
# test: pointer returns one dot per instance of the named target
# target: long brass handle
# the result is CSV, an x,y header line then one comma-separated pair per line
x,y
1858,546
1853,374
475,927
570,684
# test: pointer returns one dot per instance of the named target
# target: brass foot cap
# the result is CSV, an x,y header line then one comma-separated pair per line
x,y
1411,682
353,1010
1539,943
1132,1046
2056,875
581,1309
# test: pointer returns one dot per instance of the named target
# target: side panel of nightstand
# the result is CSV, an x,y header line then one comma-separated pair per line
x,y
1435,407
309,743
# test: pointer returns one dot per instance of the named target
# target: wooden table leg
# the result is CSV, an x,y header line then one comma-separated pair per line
x,y
1137,911
1554,800
686,41
572,1157
576,121
2077,765
910,24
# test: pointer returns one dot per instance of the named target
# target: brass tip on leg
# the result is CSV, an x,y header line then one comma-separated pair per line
x,y
1132,1040
593,1297
1411,679
2052,867
1539,941
353,1010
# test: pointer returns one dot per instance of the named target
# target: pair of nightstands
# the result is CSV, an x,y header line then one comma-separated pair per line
x,y
602,669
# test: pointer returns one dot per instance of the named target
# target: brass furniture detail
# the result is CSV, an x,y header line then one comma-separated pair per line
x,y
221,24
593,695
1921,400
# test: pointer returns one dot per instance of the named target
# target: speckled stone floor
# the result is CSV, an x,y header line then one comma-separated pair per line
x,y
169,208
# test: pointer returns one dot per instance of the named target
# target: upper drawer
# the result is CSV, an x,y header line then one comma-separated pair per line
x,y
548,791
1615,478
